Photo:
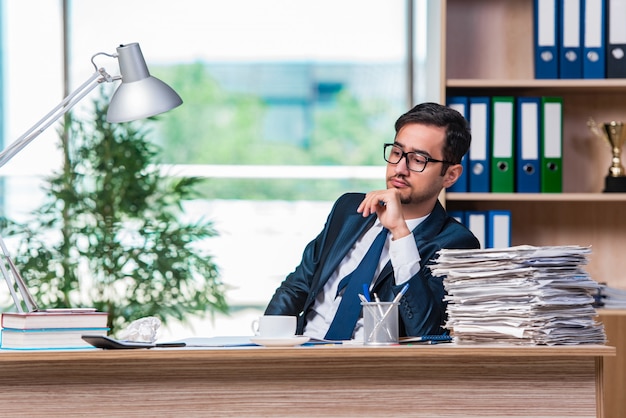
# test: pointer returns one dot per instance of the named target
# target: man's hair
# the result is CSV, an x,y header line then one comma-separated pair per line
x,y
458,136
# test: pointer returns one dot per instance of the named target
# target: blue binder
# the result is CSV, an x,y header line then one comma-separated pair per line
x,y
546,33
594,51
527,164
499,229
479,153
570,49
477,223
615,39
461,105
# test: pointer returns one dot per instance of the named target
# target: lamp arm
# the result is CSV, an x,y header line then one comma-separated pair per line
x,y
8,153
27,137
133,70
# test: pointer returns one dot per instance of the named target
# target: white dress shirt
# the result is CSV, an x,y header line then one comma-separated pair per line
x,y
405,260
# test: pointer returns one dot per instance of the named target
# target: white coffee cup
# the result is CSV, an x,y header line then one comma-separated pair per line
x,y
274,326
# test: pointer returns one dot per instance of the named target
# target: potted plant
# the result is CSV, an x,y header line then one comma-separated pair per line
x,y
110,234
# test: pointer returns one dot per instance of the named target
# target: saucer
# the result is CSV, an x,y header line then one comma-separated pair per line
x,y
281,342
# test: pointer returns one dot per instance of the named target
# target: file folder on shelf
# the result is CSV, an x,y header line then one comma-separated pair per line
x,y
570,49
594,51
477,223
502,159
551,144
461,105
616,39
546,32
527,166
499,229
478,173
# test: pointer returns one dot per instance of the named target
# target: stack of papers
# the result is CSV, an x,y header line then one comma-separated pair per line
x,y
520,295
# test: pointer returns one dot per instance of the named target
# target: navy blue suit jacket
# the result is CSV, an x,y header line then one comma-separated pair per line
x,y
422,309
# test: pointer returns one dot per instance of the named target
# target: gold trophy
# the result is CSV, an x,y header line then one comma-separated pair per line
x,y
614,133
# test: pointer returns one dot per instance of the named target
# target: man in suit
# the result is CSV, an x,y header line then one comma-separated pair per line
x,y
424,158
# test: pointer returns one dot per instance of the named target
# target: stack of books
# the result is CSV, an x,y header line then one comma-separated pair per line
x,y
520,295
51,329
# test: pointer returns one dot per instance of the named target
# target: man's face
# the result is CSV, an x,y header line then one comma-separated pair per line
x,y
418,191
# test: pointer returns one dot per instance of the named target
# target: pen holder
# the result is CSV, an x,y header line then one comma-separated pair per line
x,y
380,323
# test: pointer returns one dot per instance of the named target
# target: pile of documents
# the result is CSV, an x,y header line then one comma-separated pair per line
x,y
520,295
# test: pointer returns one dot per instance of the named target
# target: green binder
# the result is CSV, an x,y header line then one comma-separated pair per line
x,y
502,144
551,144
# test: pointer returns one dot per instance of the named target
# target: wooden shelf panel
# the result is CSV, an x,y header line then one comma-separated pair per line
x,y
489,39
614,312
595,85
537,197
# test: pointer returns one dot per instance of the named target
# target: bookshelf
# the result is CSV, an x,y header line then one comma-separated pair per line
x,y
489,51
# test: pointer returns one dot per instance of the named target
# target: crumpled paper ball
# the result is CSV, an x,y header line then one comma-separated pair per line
x,y
143,330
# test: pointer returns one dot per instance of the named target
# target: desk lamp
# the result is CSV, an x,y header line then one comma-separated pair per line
x,y
139,96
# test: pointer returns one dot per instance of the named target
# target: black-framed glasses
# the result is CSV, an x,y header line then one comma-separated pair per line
x,y
414,160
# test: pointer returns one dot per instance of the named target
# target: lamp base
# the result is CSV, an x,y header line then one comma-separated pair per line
x,y
614,184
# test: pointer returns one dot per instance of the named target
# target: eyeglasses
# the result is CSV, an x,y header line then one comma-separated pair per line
x,y
414,160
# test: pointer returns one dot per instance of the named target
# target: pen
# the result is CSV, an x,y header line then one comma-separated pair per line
x,y
382,314
429,342
401,293
173,344
366,292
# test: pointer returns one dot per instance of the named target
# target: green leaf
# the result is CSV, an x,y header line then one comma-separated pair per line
x,y
110,235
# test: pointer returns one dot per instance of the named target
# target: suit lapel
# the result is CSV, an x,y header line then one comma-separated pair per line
x,y
355,225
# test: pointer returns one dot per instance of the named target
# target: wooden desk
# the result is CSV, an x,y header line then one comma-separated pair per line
x,y
431,381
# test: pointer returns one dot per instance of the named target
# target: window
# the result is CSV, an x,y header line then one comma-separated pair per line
x,y
286,105
31,85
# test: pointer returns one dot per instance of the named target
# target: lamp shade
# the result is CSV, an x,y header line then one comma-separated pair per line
x,y
140,95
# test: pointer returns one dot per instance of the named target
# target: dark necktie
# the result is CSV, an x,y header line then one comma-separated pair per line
x,y
349,308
